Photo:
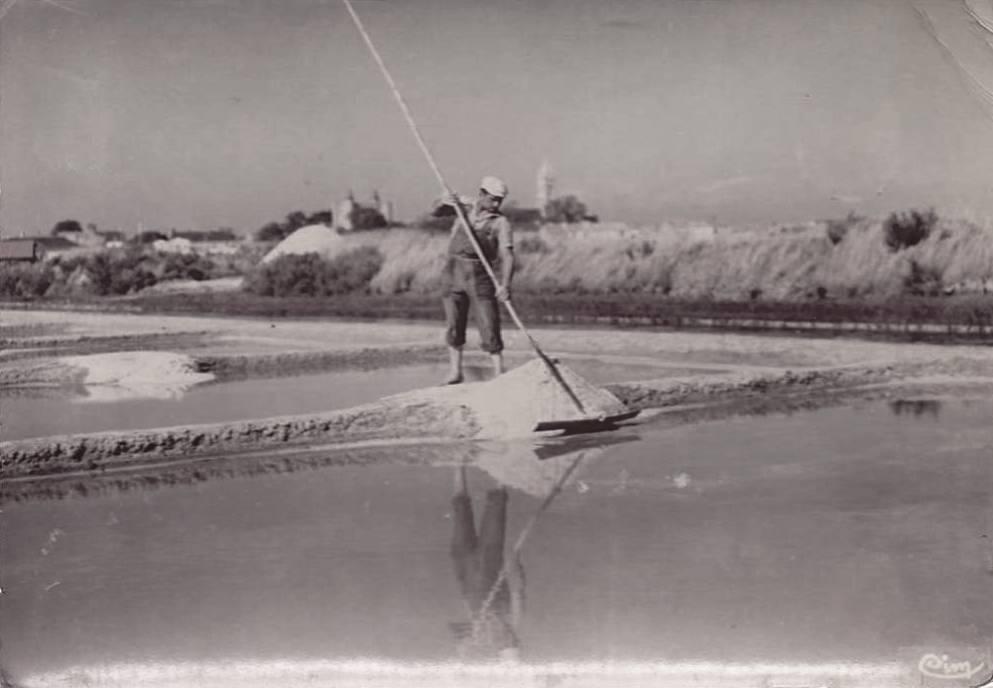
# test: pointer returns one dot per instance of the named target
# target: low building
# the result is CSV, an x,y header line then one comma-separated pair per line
x,y
21,251
174,245
113,238
57,245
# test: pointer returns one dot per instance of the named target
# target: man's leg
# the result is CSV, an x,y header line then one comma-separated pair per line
x,y
488,320
492,533
454,376
456,317
464,541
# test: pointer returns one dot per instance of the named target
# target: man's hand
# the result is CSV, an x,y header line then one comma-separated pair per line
x,y
503,293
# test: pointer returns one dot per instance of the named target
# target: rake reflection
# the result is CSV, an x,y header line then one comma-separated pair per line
x,y
492,584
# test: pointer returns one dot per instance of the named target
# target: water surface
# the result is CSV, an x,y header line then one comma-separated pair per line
x,y
857,534
44,415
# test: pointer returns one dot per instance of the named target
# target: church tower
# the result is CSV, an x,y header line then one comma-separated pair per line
x,y
546,185
343,218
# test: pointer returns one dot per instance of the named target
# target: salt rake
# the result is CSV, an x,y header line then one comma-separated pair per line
x,y
590,422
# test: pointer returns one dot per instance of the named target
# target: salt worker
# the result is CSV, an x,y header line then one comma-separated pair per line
x,y
465,281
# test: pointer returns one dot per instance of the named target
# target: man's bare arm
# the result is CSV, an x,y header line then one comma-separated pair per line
x,y
506,260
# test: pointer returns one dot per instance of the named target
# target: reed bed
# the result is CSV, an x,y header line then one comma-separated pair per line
x,y
780,263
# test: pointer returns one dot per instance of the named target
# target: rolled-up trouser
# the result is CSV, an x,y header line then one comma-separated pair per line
x,y
466,283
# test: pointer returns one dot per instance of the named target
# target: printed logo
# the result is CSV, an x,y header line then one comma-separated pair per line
x,y
973,673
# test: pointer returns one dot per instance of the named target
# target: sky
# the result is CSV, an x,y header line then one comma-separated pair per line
x,y
198,114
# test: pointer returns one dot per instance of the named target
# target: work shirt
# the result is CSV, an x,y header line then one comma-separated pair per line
x,y
492,231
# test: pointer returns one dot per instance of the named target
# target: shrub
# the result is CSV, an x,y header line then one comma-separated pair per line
x,y
62,226
25,281
903,230
367,218
270,232
149,237
522,218
567,209
115,272
837,230
311,275
273,232
187,266
921,280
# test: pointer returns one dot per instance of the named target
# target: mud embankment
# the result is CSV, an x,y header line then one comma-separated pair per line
x,y
193,470
389,419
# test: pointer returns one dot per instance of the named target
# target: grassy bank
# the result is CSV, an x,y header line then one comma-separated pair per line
x,y
845,260
911,273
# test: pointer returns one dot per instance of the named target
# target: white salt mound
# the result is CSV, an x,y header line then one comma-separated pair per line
x,y
136,375
319,239
514,403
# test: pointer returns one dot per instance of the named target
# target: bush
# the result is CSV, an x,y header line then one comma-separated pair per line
x,y
837,230
273,232
903,230
105,273
63,226
364,218
311,275
118,273
25,281
187,266
149,237
921,280
566,209
115,272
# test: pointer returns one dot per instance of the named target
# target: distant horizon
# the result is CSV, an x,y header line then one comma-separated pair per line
x,y
676,223
201,115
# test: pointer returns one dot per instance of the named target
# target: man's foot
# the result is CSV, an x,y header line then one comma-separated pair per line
x,y
497,361
454,366
453,379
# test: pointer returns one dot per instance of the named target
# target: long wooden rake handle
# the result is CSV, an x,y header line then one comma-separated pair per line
x,y
463,218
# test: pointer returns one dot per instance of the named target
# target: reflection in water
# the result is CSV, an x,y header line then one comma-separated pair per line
x,y
916,407
493,601
492,585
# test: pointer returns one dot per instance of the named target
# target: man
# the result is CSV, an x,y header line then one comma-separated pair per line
x,y
465,282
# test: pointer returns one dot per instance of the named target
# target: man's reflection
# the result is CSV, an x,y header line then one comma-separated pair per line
x,y
493,593
494,603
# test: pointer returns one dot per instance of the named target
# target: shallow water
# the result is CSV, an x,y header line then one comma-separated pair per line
x,y
40,416
858,535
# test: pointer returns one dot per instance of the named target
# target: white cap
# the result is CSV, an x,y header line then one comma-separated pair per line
x,y
493,186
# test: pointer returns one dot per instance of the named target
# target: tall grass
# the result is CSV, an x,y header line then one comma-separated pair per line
x,y
782,264
846,260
